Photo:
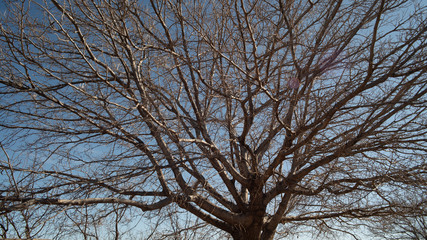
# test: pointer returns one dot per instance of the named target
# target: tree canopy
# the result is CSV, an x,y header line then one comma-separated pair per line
x,y
255,118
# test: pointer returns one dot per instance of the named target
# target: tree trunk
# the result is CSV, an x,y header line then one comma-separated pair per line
x,y
255,229
253,232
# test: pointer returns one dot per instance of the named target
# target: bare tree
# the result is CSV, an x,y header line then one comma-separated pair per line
x,y
412,227
407,225
258,117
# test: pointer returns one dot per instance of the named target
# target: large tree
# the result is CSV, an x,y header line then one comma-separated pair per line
x,y
254,116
